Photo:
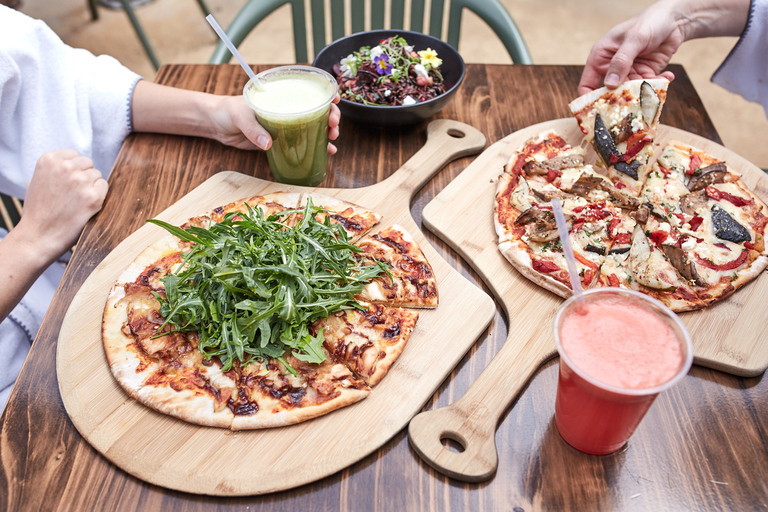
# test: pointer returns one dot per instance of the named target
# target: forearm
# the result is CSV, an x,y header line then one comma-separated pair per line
x,y
161,109
22,260
710,18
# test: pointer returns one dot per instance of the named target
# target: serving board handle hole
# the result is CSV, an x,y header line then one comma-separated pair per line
x,y
447,140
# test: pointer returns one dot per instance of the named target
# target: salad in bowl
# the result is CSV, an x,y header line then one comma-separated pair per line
x,y
391,73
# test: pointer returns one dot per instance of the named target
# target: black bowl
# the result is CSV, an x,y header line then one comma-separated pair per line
x,y
452,70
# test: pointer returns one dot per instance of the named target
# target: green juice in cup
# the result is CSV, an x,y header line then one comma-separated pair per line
x,y
293,104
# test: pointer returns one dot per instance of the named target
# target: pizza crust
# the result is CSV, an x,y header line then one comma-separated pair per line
x,y
633,86
520,259
279,418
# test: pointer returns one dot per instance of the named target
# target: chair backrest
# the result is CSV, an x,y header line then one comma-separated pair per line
x,y
10,211
491,12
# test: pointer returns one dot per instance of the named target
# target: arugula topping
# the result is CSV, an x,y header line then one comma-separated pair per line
x,y
251,287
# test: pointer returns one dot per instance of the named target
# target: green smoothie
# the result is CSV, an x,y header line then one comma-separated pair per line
x,y
293,105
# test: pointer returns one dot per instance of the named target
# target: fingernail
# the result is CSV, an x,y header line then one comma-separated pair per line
x,y
612,80
263,142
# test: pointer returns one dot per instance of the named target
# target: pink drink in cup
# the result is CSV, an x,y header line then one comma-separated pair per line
x,y
617,353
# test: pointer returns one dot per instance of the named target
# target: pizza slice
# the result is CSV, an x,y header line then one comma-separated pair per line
x,y
355,220
621,124
368,341
534,248
287,390
682,169
525,184
164,371
715,238
646,268
410,280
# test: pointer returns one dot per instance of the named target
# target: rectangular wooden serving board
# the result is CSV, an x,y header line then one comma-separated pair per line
x,y
171,453
730,336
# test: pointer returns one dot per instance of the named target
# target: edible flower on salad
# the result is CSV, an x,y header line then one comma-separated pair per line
x,y
429,58
390,73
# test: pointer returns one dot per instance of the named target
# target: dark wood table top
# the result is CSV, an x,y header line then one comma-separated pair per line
x,y
702,446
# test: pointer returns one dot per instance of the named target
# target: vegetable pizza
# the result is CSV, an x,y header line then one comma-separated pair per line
x,y
682,228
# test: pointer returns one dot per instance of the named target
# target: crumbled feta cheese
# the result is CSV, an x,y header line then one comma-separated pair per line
x,y
408,101
376,51
420,71
663,226
616,116
689,244
387,92
539,157
637,124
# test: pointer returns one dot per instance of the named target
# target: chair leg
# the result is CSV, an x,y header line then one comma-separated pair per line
x,y
94,9
140,32
204,7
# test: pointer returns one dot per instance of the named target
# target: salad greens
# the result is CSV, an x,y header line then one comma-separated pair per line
x,y
251,287
390,73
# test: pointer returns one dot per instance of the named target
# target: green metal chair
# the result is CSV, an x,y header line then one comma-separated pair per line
x,y
93,6
490,11
10,211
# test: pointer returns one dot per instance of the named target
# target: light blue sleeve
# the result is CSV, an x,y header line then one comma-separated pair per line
x,y
745,70
53,96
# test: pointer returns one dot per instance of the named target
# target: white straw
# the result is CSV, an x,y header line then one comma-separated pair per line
x,y
234,51
562,228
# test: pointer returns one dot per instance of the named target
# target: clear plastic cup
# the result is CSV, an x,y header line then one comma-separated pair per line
x,y
293,105
596,417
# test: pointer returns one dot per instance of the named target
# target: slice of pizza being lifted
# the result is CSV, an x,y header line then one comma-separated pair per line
x,y
621,125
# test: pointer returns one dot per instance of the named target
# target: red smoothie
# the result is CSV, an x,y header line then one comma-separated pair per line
x,y
617,351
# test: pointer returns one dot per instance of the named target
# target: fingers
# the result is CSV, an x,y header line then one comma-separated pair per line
x,y
332,149
668,75
254,132
621,63
592,76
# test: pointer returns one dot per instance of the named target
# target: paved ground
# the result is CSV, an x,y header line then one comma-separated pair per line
x,y
556,31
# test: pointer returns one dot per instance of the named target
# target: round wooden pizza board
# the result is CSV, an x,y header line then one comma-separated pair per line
x,y
728,336
171,453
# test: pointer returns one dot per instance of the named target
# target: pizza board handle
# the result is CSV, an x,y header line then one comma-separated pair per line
x,y
447,140
471,421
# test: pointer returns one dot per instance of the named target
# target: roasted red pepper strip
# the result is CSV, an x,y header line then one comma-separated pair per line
x,y
693,165
584,261
695,222
544,266
718,195
613,280
612,225
659,236
630,153
588,275
552,174
724,266
622,238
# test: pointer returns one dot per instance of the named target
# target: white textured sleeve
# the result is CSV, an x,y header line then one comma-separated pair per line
x,y
54,97
745,70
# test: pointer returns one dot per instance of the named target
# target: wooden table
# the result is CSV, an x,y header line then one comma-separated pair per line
x,y
702,446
